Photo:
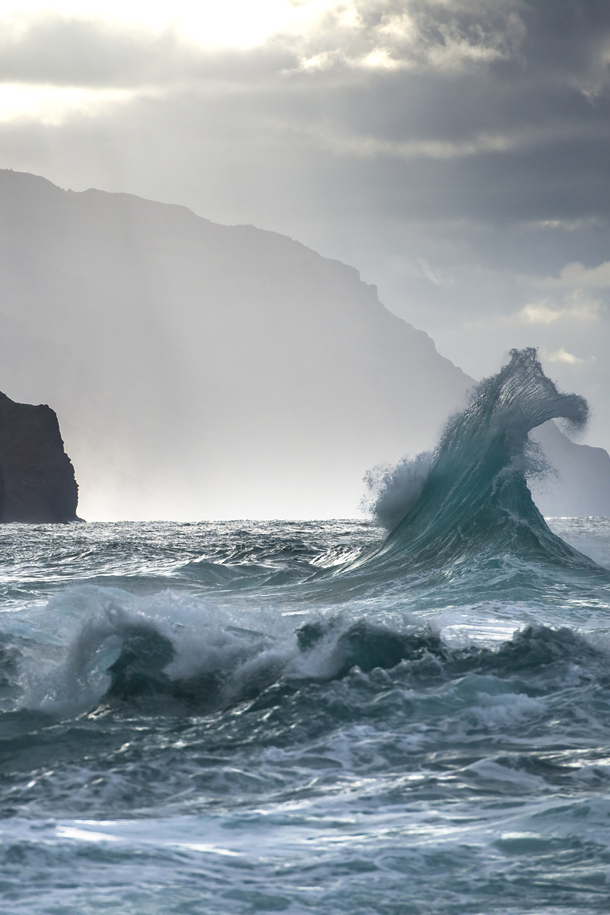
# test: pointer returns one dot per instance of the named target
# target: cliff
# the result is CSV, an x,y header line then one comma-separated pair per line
x,y
37,481
205,371
209,371
578,481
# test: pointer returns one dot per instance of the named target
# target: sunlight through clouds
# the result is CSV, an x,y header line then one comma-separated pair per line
x,y
373,34
234,23
451,150
69,58
52,105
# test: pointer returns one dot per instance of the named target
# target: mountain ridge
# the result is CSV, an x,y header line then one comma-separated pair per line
x,y
229,371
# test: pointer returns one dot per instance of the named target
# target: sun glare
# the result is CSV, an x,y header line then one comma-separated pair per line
x,y
51,105
234,23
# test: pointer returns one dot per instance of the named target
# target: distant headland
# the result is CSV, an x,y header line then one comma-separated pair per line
x,y
209,371
37,482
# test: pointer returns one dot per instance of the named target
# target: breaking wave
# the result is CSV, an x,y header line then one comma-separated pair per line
x,y
177,656
473,496
297,716
393,491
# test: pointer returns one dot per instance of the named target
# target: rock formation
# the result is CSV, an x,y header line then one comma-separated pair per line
x,y
205,371
208,371
37,481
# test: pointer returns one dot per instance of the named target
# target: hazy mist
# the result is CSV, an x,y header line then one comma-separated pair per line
x,y
455,153
201,370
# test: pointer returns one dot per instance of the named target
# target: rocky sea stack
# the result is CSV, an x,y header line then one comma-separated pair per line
x,y
37,482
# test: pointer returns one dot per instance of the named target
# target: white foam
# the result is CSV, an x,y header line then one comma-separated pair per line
x,y
394,490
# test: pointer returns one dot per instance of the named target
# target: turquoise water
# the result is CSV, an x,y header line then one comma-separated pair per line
x,y
294,717
449,759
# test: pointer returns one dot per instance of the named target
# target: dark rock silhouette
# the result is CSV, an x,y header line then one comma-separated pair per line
x,y
37,481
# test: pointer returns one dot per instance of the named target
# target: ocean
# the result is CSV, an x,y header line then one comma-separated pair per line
x,y
244,717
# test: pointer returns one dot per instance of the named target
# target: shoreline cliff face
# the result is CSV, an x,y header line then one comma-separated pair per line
x,y
37,483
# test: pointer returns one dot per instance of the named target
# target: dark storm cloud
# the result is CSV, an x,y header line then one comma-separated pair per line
x,y
421,70
569,38
469,115
416,34
477,110
519,133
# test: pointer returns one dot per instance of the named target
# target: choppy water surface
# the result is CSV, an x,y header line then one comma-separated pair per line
x,y
297,717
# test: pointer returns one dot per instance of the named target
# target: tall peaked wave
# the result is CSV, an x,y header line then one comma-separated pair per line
x,y
475,500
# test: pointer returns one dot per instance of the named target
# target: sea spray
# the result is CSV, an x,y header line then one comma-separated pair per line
x,y
474,497
226,718
393,491
418,742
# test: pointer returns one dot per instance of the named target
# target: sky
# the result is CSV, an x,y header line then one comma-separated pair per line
x,y
457,152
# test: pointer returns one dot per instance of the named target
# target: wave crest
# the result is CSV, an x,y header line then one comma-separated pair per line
x,y
474,498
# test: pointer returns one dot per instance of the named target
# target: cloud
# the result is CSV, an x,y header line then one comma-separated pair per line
x,y
52,50
577,276
575,307
468,135
234,23
413,35
105,46
539,313
52,105
571,41
562,356
421,79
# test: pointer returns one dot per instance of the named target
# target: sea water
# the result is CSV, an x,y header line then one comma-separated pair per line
x,y
293,717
